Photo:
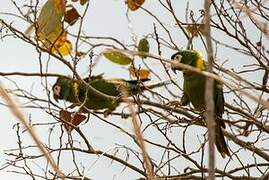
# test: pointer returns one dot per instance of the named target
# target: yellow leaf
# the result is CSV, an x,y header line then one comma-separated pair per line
x,y
49,21
61,46
140,73
64,48
60,6
53,36
135,4
196,29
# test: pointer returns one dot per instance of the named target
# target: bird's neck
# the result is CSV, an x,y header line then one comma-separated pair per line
x,y
190,75
200,63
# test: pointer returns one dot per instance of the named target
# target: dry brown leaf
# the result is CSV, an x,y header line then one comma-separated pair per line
x,y
73,118
71,16
141,73
196,29
135,4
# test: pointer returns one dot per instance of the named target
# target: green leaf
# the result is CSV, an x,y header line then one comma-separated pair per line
x,y
143,46
118,58
49,21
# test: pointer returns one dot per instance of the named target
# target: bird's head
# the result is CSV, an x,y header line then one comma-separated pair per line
x,y
188,57
60,88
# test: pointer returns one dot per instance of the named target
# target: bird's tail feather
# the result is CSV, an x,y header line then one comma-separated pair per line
x,y
220,141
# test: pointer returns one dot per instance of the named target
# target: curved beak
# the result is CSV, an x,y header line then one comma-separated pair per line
x,y
56,98
176,58
174,70
173,66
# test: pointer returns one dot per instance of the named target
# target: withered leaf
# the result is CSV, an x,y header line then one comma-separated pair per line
x,y
71,16
73,118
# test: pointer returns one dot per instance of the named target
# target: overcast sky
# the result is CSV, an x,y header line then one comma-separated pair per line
x,y
105,18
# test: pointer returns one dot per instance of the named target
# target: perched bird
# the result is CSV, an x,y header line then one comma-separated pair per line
x,y
194,92
74,92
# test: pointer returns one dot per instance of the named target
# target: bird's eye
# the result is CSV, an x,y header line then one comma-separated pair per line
x,y
178,58
57,90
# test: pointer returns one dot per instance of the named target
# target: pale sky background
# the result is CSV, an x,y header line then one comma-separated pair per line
x,y
104,18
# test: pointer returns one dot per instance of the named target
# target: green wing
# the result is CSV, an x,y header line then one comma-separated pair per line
x,y
75,92
219,101
96,102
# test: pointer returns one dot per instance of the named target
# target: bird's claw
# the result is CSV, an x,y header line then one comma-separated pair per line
x,y
107,112
174,103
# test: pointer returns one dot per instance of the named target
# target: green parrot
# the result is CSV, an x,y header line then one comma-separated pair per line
x,y
194,93
71,91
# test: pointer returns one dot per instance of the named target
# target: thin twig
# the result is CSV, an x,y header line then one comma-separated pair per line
x,y
139,136
15,110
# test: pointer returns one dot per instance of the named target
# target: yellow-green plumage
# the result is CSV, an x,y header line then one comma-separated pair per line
x,y
76,93
194,93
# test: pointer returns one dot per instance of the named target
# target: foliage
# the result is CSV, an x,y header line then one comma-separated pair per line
x,y
151,135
